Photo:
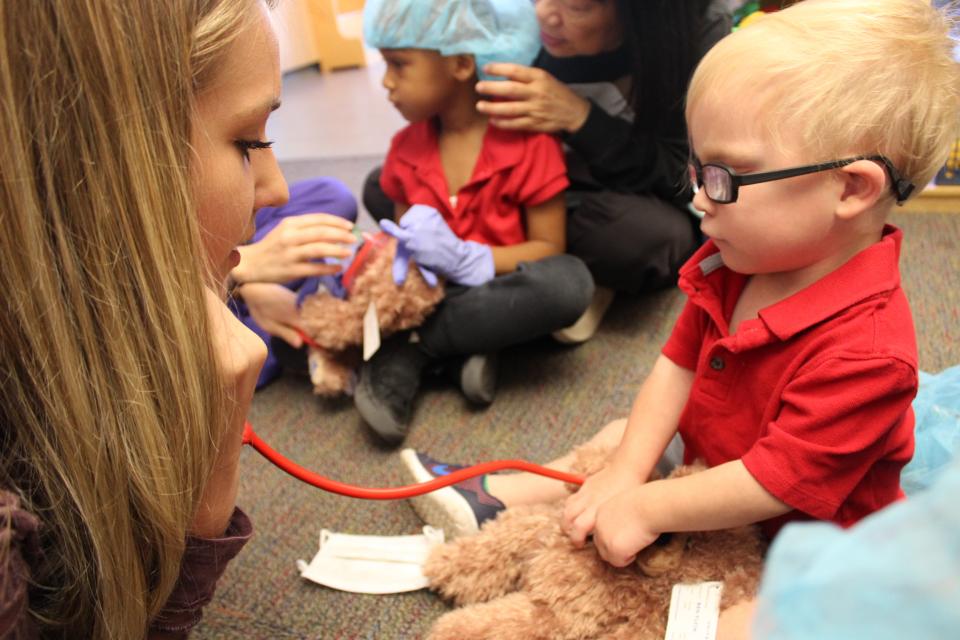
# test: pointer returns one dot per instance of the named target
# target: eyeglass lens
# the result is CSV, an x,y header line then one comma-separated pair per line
x,y
718,184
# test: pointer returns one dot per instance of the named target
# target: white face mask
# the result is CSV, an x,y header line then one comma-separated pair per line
x,y
371,564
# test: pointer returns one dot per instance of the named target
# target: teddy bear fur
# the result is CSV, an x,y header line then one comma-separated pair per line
x,y
335,325
520,577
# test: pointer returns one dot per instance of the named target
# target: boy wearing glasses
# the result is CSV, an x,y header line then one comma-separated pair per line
x,y
793,365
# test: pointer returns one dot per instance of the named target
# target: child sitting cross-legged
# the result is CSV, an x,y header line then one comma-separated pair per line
x,y
480,206
792,367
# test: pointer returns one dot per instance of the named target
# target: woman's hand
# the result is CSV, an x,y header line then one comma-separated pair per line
x,y
531,99
580,511
274,307
240,355
291,248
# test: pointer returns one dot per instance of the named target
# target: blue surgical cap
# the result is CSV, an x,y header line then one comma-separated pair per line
x,y
490,30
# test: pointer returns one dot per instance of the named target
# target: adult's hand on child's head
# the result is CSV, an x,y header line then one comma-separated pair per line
x,y
432,244
274,308
293,248
621,531
580,511
530,99
240,354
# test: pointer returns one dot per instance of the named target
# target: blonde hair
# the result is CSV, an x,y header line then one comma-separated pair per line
x,y
846,76
111,404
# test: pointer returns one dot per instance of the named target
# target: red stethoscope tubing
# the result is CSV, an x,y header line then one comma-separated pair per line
x,y
398,493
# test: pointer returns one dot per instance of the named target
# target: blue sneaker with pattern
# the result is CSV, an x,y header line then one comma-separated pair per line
x,y
459,509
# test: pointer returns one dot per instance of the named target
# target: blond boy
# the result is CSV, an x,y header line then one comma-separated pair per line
x,y
793,365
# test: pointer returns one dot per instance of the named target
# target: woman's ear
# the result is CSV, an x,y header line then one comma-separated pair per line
x,y
463,67
865,183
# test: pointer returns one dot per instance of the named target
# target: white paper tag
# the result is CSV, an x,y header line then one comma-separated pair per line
x,y
371,332
694,611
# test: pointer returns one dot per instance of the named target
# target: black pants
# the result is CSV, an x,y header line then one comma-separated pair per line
x,y
533,301
630,242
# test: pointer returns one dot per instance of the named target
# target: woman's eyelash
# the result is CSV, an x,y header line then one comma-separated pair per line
x,y
246,146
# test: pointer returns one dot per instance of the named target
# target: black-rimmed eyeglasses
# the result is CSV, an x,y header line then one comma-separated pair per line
x,y
722,184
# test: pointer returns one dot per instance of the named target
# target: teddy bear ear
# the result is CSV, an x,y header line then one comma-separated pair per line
x,y
663,556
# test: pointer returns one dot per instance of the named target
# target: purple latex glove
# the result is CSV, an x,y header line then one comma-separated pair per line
x,y
401,263
425,234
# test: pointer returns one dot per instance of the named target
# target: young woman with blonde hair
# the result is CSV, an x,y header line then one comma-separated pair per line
x,y
131,167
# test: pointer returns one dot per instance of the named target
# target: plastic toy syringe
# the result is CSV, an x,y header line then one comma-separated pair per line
x,y
398,493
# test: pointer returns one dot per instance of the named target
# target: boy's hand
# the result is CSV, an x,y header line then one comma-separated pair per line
x,y
581,509
425,234
621,530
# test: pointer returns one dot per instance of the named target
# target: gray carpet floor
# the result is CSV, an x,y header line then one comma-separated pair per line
x,y
551,397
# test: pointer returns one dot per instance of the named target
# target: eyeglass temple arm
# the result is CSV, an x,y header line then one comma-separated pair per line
x,y
902,188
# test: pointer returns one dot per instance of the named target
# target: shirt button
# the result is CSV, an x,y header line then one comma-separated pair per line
x,y
717,363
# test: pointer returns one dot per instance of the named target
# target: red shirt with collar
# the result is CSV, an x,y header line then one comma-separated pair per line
x,y
814,395
514,170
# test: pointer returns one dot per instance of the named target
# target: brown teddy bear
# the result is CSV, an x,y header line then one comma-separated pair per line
x,y
335,325
520,577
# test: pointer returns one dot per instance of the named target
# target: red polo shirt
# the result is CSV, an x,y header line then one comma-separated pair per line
x,y
514,170
813,395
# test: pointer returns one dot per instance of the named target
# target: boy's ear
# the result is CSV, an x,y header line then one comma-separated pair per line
x,y
463,67
864,184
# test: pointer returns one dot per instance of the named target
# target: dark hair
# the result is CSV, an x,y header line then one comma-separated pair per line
x,y
662,40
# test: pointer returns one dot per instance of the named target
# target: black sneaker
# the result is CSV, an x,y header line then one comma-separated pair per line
x,y
478,378
459,509
388,386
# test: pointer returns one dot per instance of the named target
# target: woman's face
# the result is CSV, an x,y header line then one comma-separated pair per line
x,y
578,27
235,173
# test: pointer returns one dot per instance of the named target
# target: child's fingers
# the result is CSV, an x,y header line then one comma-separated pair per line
x,y
580,529
613,556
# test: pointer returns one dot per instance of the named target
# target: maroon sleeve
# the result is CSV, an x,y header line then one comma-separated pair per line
x,y
19,545
204,561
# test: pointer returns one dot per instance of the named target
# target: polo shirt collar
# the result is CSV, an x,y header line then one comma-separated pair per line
x,y
502,149
871,272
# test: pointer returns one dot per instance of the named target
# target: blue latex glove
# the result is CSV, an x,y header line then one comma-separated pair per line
x,y
425,234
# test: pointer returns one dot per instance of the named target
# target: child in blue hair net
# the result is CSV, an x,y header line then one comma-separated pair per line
x,y
479,206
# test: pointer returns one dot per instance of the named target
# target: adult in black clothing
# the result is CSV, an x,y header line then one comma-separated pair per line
x,y
611,80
